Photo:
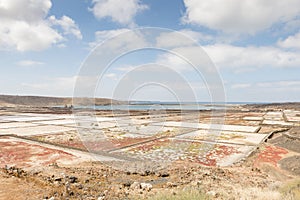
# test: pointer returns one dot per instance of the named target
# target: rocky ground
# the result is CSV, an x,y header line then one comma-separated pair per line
x,y
98,181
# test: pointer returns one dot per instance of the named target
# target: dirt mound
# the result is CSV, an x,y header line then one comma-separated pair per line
x,y
288,142
291,164
294,133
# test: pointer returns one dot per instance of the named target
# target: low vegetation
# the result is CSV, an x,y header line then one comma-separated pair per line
x,y
291,190
187,193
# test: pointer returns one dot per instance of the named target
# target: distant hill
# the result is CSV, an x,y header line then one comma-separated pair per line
x,y
39,101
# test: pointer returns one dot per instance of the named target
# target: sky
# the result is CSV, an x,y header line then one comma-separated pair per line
x,y
253,46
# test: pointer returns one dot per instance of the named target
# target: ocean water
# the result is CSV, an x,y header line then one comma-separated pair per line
x,y
168,106
156,105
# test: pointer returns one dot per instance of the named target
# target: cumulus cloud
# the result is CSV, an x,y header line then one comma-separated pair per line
x,y
127,40
242,59
67,24
23,36
24,25
175,62
236,16
291,42
234,58
120,11
29,11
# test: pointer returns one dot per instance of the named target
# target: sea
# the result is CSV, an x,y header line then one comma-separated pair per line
x,y
154,105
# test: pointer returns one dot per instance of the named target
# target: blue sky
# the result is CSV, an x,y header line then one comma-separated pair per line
x,y
254,44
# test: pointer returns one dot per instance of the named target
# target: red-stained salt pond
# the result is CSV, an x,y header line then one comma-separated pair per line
x,y
23,154
219,152
271,155
181,150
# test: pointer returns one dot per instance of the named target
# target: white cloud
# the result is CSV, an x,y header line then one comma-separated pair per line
x,y
241,86
68,25
185,37
287,90
236,16
126,68
23,36
120,11
279,84
251,58
25,10
127,40
291,42
111,76
234,58
24,27
27,63
103,35
175,62
269,91
189,58
198,36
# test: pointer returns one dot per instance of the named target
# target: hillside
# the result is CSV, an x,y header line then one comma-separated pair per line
x,y
39,101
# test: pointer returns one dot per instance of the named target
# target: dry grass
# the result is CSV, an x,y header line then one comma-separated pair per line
x,y
291,190
258,194
183,194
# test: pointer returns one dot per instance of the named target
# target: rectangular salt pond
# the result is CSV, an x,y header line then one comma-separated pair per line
x,y
282,123
36,130
30,119
238,128
253,118
205,153
16,125
150,130
56,122
226,137
293,119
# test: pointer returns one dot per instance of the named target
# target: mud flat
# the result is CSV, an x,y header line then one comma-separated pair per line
x,y
137,155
